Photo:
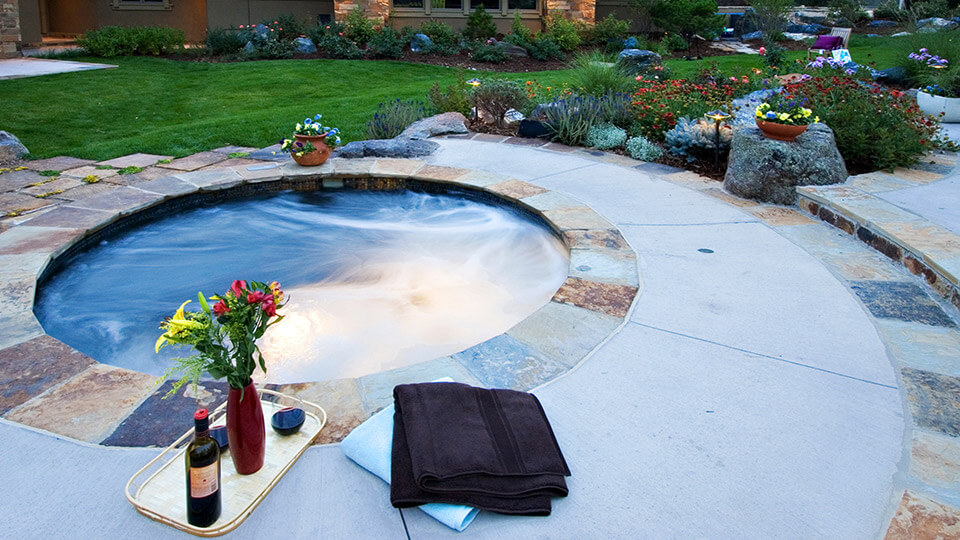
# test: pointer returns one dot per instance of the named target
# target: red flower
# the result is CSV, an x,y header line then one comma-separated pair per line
x,y
269,307
238,287
257,296
220,308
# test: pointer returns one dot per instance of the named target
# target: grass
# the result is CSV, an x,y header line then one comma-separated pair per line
x,y
178,108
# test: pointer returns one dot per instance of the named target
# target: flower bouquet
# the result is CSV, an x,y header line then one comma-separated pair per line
x,y
225,339
312,142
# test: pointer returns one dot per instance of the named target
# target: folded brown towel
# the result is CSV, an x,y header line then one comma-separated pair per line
x,y
491,449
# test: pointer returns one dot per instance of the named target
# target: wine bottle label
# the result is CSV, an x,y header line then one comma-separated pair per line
x,y
204,480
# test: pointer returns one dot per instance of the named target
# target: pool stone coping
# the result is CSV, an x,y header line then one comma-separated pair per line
x,y
48,385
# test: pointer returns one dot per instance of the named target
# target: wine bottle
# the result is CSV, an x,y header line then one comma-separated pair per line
x,y
203,474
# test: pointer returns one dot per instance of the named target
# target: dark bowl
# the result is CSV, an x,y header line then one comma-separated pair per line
x,y
219,434
288,421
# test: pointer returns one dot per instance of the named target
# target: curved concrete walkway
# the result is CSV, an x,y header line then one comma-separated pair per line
x,y
755,390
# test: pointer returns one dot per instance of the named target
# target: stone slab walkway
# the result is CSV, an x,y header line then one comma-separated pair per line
x,y
18,68
773,378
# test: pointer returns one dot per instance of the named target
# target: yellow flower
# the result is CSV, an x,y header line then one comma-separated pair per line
x,y
783,116
175,327
806,112
816,119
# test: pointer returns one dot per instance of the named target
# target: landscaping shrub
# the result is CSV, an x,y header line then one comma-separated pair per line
x,y
392,118
545,47
143,40
480,24
331,40
224,41
847,12
498,96
595,74
659,103
288,27
493,54
775,56
616,108
358,28
386,43
924,9
674,42
644,150
455,99
890,9
770,16
518,31
570,119
563,31
605,137
684,17
608,30
696,139
875,127
445,40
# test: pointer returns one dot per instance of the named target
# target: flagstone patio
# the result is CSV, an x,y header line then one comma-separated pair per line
x,y
713,367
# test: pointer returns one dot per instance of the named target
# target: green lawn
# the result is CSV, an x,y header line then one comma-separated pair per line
x,y
178,108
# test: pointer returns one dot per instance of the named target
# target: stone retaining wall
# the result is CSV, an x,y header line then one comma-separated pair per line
x,y
9,29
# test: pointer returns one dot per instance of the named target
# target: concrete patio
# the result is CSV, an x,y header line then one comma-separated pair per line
x,y
775,377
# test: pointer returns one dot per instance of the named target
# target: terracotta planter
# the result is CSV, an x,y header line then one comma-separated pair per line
x,y
246,430
780,132
935,105
318,156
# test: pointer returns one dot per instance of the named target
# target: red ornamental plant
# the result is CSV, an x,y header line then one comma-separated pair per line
x,y
224,335
874,127
658,104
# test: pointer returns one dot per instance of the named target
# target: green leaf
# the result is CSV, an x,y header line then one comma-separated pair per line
x,y
203,302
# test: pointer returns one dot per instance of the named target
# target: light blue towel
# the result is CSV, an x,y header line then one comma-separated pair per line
x,y
370,445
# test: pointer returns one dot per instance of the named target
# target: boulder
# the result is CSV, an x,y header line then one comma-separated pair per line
x,y
388,148
262,30
420,42
539,112
871,35
883,24
441,124
808,18
630,43
305,45
533,129
249,48
634,61
752,35
513,50
769,170
899,34
10,147
812,28
895,74
937,23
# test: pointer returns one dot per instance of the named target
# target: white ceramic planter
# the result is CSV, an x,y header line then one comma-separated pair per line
x,y
934,105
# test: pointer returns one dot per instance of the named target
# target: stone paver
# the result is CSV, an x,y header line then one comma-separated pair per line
x,y
920,518
60,163
134,160
194,162
29,369
84,172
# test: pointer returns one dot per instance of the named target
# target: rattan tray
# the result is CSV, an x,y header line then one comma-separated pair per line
x,y
158,490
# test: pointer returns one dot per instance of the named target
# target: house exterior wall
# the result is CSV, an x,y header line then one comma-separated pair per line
x,y
9,28
232,13
30,22
74,17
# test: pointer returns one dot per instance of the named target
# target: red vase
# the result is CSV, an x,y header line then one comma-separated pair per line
x,y
246,430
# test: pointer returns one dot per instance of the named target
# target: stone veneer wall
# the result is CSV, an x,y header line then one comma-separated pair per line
x,y
578,10
378,9
9,29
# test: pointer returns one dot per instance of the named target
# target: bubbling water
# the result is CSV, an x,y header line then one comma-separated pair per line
x,y
375,280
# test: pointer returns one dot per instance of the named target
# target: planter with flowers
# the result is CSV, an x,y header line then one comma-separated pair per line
x,y
783,117
312,142
939,93
224,337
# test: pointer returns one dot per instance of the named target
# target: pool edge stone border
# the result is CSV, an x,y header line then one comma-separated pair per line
x,y
588,307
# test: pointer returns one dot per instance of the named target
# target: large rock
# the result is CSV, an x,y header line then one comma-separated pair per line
x,y
11,147
752,35
305,45
896,74
441,124
513,50
900,34
634,61
812,28
420,42
937,23
769,170
388,148
883,24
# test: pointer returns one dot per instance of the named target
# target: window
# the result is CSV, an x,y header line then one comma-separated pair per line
x,y
147,5
460,8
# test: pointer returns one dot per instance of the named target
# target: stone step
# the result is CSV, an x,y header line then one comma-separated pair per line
x,y
924,248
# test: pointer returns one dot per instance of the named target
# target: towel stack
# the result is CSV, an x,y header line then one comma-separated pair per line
x,y
489,449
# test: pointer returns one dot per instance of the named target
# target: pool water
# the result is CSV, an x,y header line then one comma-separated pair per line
x,y
375,280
